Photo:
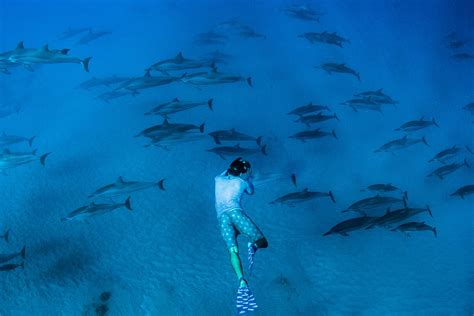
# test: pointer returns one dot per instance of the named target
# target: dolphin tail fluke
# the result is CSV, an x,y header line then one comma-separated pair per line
x,y
424,141
43,158
435,232
6,236
161,184
429,210
85,63
469,150
334,134
23,252
209,104
249,81
259,141
466,164
30,141
216,140
264,149
332,197
434,122
358,76
127,204
201,127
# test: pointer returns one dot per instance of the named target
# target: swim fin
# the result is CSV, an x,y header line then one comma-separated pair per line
x,y
245,301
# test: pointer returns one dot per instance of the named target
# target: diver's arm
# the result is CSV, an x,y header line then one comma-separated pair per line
x,y
250,188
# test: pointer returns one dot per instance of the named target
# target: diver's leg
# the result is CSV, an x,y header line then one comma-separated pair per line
x,y
248,228
237,265
229,234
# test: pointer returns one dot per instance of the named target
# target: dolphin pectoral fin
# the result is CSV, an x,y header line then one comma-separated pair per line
x,y
222,156
344,234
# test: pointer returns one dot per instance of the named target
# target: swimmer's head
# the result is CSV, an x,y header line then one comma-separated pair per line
x,y
239,167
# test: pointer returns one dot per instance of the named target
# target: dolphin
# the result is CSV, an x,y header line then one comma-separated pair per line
x,y
177,105
166,128
469,107
70,32
462,56
147,81
248,32
237,150
414,226
308,108
6,236
179,63
443,171
12,266
318,118
45,55
91,36
302,12
7,140
93,209
172,138
301,196
324,37
397,216
350,225
373,203
9,110
463,191
9,159
121,187
312,134
363,103
384,187
450,153
340,68
106,81
213,77
416,125
401,143
7,257
233,135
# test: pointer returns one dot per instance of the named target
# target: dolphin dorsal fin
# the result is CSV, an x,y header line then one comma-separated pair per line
x,y
232,129
179,57
237,146
20,46
65,51
147,73
454,147
404,137
45,48
120,179
388,211
305,190
422,118
310,103
380,90
165,122
175,100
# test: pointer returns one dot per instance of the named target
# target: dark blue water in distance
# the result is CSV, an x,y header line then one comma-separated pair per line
x,y
167,255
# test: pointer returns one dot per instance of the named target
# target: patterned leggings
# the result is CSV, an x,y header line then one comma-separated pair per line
x,y
235,222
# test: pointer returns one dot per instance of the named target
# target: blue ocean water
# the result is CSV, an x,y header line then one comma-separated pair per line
x,y
167,256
